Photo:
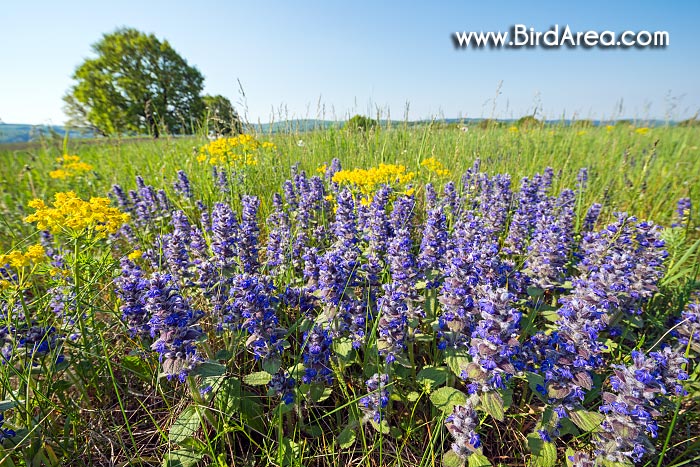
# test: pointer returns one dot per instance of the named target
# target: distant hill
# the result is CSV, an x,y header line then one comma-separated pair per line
x,y
23,133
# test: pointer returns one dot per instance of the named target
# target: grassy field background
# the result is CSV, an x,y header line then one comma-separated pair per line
x,y
640,170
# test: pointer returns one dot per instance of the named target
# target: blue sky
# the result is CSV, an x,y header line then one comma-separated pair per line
x,y
331,59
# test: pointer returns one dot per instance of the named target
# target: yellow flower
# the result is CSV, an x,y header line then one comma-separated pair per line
x,y
58,272
642,131
69,166
609,127
134,255
17,259
35,252
238,150
434,165
73,214
581,132
322,169
513,129
366,180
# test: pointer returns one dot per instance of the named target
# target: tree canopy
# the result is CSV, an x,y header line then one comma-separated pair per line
x,y
138,84
221,117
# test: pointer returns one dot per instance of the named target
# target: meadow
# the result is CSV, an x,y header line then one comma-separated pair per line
x,y
407,295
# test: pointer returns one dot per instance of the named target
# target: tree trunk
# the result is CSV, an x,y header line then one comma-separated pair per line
x,y
150,119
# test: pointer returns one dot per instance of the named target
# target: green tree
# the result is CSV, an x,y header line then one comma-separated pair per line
x,y
136,83
361,123
529,121
221,117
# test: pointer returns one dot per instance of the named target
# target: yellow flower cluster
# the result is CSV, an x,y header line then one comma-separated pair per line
x,y
17,259
134,255
70,166
435,166
239,150
72,213
642,131
367,180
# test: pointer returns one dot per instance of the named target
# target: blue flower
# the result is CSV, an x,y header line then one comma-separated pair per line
x,y
374,403
316,355
5,432
182,184
461,424
248,242
632,406
173,326
282,385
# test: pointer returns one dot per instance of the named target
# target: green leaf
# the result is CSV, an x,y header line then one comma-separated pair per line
x,y
181,458
492,402
544,454
313,429
343,349
431,377
224,354
457,362
534,381
381,427
282,409
7,405
138,367
568,427
586,420
8,462
290,451
209,369
272,365
507,395
193,444
551,316
228,397
557,392
259,378
452,459
296,371
319,393
412,396
569,453
185,426
347,437
535,291
446,398
477,459
424,337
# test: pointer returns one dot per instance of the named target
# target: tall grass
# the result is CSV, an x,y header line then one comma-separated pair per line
x,y
641,172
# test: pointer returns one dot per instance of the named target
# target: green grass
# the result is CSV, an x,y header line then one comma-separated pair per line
x,y
643,174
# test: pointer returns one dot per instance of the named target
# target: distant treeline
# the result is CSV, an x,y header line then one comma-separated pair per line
x,y
23,133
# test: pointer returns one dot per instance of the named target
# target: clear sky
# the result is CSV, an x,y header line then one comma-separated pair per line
x,y
331,59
